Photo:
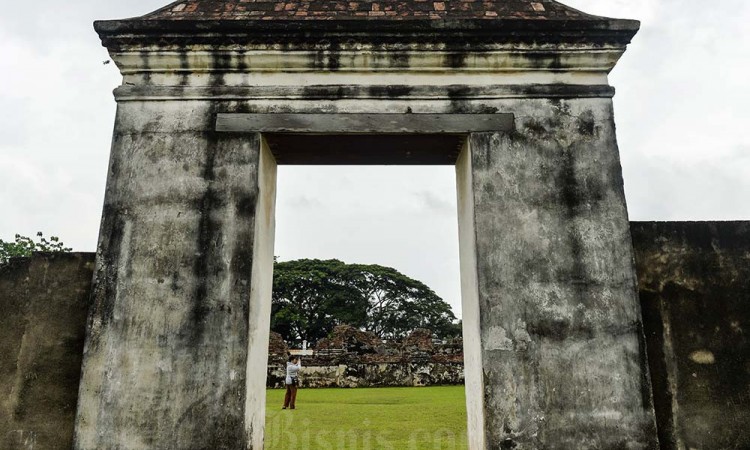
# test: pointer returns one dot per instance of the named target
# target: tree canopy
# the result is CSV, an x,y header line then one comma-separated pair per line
x,y
311,297
23,246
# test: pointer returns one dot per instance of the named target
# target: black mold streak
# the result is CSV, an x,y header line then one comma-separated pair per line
x,y
184,69
105,294
508,444
327,58
572,194
207,236
457,60
586,124
646,386
246,205
543,60
399,60
146,65
241,63
324,92
390,91
457,96
662,394
175,282
459,103
222,62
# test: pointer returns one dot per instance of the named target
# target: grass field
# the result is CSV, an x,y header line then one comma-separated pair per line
x,y
431,418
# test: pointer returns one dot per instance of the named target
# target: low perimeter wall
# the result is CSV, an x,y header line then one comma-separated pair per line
x,y
372,375
43,307
694,281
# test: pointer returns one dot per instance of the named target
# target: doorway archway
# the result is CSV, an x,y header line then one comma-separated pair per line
x,y
214,94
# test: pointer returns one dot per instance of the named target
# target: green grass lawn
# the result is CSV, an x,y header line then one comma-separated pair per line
x,y
368,418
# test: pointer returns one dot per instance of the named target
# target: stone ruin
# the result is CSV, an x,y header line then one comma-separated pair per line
x,y
277,349
515,95
350,357
348,339
349,344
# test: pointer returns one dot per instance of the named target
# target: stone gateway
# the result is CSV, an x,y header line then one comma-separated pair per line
x,y
215,94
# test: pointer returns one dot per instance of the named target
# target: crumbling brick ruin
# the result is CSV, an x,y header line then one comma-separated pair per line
x,y
356,358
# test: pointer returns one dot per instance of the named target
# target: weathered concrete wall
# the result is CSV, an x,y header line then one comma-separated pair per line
x,y
178,298
43,307
694,282
694,288
558,319
372,375
562,347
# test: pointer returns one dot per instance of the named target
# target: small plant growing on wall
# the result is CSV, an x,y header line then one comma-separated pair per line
x,y
24,246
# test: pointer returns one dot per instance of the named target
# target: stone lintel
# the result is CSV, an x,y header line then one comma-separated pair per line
x,y
343,139
364,123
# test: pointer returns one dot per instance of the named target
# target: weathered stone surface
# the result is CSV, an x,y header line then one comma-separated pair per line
x,y
43,308
178,331
561,342
694,280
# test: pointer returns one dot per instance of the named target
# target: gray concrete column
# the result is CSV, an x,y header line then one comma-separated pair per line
x,y
177,336
553,338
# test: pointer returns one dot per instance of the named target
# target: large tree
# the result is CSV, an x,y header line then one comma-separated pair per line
x,y
311,297
398,304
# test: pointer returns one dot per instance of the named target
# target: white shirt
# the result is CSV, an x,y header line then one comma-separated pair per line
x,y
292,370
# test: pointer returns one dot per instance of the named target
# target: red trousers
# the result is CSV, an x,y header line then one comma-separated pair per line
x,y
291,396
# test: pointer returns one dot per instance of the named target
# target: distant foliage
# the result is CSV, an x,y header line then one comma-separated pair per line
x,y
25,246
311,297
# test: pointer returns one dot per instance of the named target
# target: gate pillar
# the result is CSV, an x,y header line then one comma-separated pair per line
x,y
177,340
554,348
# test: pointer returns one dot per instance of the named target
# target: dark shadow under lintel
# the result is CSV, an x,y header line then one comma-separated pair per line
x,y
365,149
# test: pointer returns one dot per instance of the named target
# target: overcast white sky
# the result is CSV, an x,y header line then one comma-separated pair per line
x,y
681,109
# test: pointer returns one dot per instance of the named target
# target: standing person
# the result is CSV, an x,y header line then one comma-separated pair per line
x,y
293,367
